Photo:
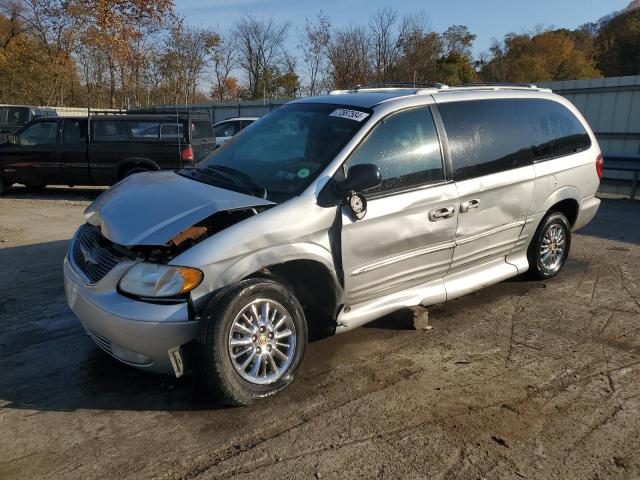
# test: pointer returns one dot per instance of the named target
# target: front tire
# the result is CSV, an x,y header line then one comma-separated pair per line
x,y
251,342
549,247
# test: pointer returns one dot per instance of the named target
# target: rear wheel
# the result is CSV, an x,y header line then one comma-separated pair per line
x,y
251,342
549,248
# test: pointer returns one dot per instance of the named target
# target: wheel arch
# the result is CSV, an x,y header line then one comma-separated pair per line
x,y
306,269
134,162
566,201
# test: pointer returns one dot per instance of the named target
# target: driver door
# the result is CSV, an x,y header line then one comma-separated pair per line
x,y
407,236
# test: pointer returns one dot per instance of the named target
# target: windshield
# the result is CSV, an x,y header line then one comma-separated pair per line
x,y
278,156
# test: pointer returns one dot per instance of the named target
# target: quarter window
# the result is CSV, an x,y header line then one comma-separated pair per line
x,y
405,148
490,136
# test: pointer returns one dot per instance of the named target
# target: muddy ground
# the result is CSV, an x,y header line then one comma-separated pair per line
x,y
521,380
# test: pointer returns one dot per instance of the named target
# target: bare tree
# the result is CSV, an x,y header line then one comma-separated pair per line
x,y
260,52
386,32
314,43
224,60
349,57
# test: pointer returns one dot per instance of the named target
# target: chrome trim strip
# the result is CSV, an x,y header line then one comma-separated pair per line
x,y
399,258
486,233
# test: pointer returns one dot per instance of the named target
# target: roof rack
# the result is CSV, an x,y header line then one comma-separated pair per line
x,y
416,86
401,85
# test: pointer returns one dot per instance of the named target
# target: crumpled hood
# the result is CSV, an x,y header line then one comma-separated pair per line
x,y
153,207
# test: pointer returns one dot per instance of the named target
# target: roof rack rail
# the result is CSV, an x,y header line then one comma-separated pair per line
x,y
499,84
437,85
113,111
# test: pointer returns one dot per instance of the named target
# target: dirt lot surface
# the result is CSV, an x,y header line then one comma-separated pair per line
x,y
520,380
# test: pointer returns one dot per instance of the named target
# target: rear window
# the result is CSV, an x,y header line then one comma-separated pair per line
x,y
201,129
15,115
489,136
172,131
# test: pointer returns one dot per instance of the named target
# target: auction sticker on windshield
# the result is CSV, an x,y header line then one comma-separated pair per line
x,y
349,114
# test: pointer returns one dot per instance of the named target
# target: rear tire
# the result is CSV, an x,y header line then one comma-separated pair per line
x,y
251,342
549,247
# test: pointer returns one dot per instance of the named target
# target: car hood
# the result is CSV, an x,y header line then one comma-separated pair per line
x,y
153,207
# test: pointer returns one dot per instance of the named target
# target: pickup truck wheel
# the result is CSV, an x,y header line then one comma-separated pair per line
x,y
549,247
251,342
133,170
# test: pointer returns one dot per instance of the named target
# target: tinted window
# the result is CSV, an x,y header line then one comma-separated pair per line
x,y
17,115
73,132
172,131
40,133
201,129
405,148
144,130
109,131
489,136
227,129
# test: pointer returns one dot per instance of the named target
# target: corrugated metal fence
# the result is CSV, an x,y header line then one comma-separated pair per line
x,y
612,108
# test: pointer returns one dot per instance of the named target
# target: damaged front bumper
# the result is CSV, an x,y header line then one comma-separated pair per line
x,y
145,335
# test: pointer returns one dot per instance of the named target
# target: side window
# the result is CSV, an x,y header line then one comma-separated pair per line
x,y
490,136
73,132
144,130
405,148
201,129
40,133
172,131
245,123
18,115
227,129
557,131
487,136
108,131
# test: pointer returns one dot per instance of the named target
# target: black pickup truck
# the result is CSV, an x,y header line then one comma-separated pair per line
x,y
102,149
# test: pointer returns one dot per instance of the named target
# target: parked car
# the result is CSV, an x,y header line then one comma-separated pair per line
x,y
102,149
326,214
13,117
226,129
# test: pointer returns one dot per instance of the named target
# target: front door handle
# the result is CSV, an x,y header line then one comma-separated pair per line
x,y
441,213
469,205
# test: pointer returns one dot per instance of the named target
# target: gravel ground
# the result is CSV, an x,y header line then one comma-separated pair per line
x,y
520,380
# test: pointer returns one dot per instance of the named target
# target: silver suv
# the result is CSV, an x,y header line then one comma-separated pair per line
x,y
324,215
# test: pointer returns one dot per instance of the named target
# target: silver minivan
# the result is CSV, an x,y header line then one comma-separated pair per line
x,y
328,213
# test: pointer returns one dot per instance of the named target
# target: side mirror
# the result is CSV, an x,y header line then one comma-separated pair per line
x,y
359,178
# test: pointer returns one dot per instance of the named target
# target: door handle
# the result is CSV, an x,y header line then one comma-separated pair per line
x,y
441,213
469,205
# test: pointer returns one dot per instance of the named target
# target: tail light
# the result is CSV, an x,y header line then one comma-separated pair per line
x,y
599,165
187,154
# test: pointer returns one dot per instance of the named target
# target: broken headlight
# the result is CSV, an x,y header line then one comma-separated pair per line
x,y
154,280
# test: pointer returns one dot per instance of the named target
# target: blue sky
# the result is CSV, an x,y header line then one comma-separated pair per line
x,y
487,19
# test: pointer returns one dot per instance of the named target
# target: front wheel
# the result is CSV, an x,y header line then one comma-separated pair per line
x,y
251,342
549,247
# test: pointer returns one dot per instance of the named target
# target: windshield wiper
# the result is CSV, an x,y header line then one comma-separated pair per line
x,y
239,177
215,178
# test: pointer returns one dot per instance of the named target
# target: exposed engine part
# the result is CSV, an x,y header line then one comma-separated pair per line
x,y
188,237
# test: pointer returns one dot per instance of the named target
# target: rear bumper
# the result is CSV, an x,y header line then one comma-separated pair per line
x,y
136,333
588,209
